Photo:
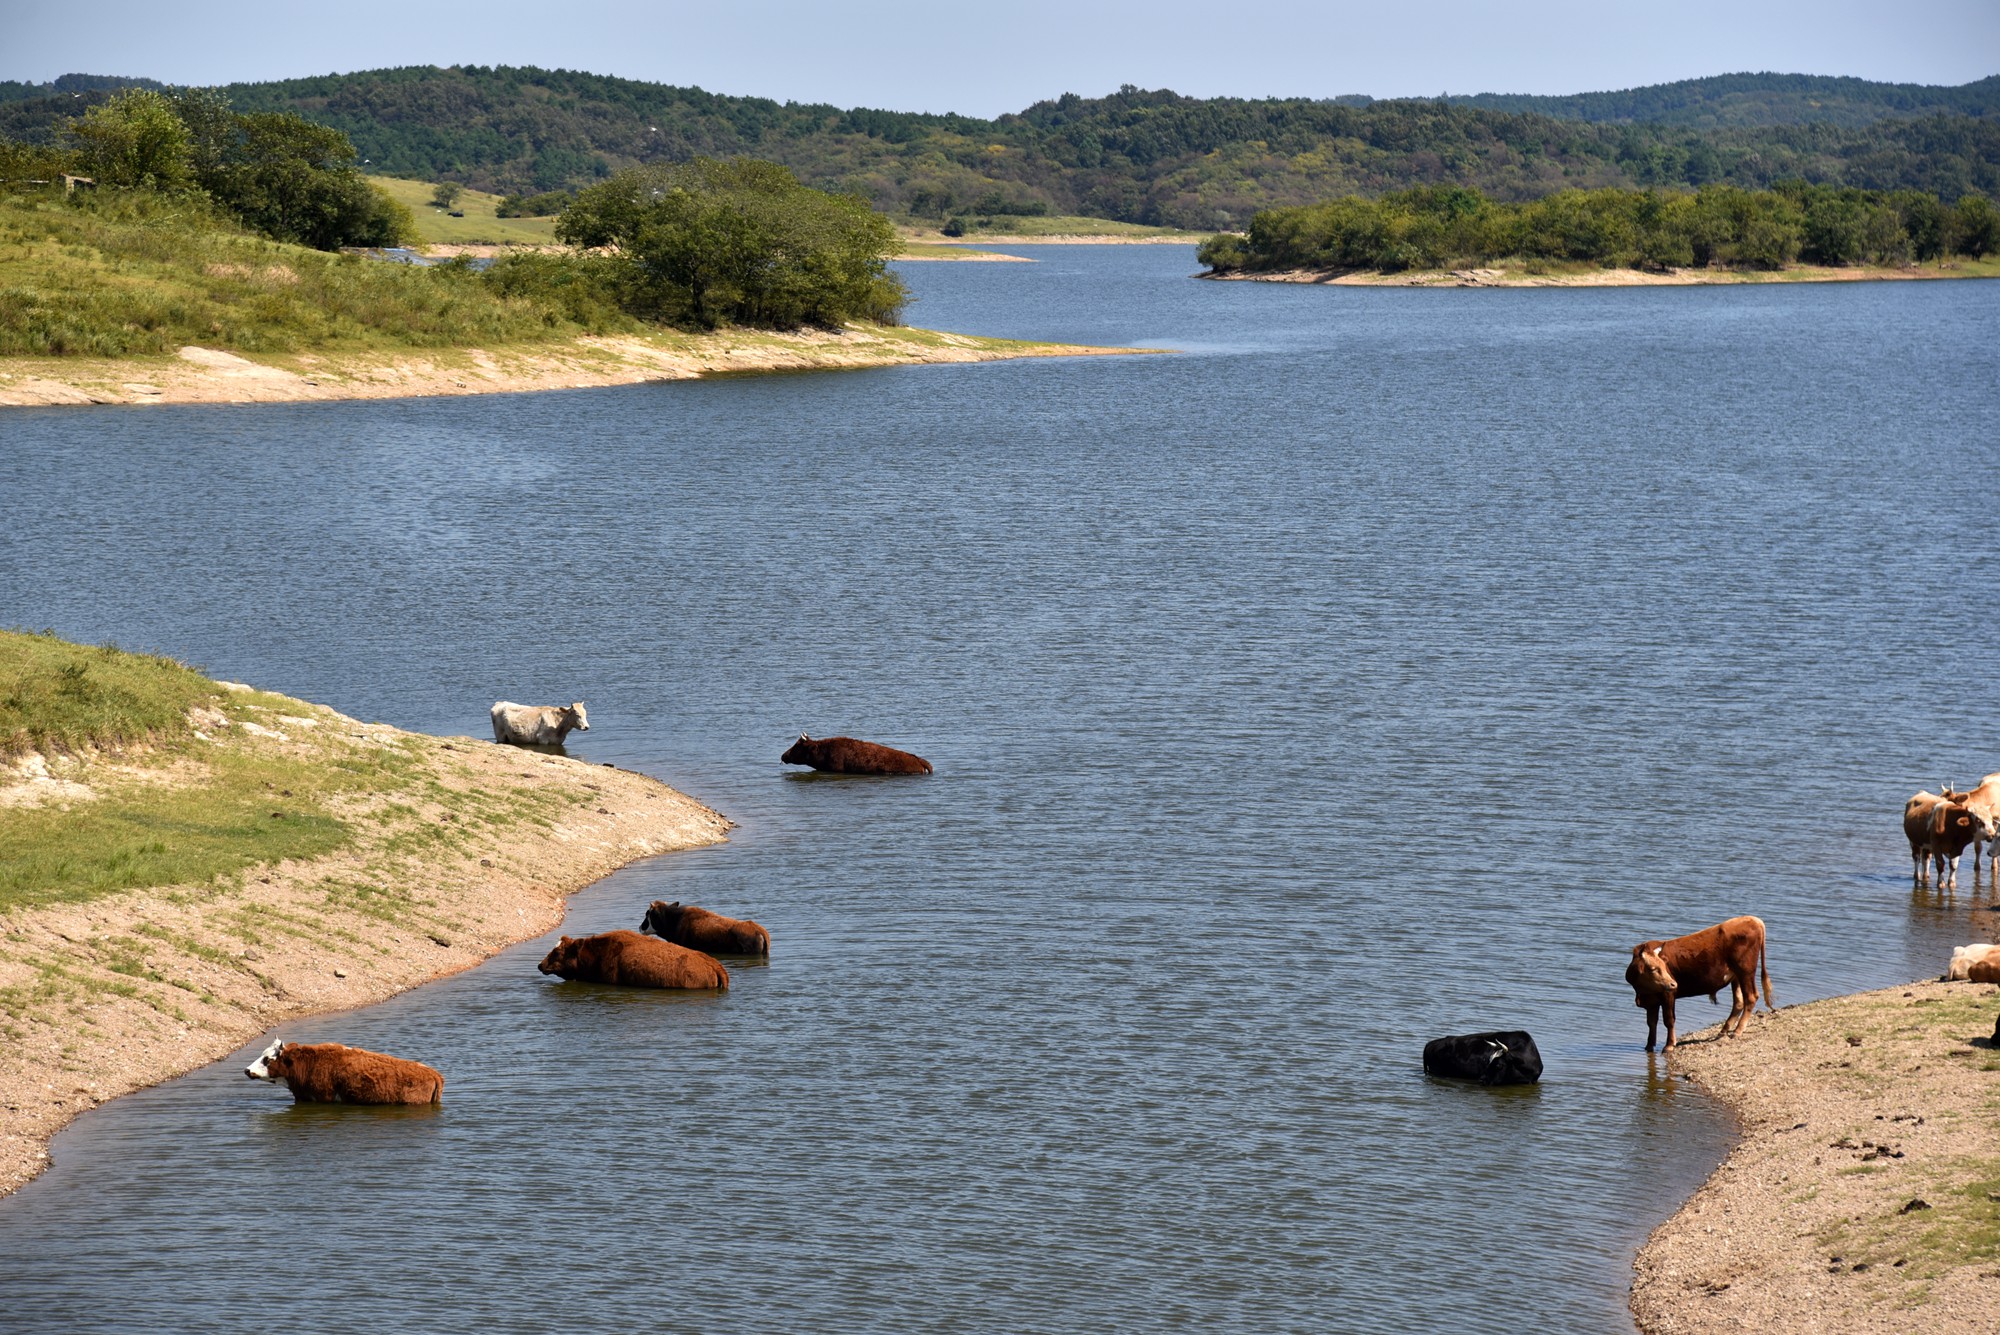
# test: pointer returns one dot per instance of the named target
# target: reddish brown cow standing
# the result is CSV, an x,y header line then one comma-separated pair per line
x,y
627,959
336,1073
1728,953
851,755
1939,828
699,929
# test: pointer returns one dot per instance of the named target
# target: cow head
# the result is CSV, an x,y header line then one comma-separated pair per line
x,y
261,1068
561,958
573,714
798,754
1649,974
1951,817
662,918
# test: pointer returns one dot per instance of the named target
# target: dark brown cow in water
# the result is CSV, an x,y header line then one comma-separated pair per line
x,y
851,755
1939,828
699,929
627,959
1729,953
336,1073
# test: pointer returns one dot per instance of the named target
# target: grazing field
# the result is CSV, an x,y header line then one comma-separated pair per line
x,y
480,226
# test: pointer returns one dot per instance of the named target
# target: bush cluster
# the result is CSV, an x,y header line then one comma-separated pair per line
x,y
707,243
1719,226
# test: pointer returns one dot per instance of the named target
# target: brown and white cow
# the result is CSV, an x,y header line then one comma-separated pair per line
x,y
1982,799
1938,830
699,929
851,755
1729,953
537,725
627,959
336,1073
1964,957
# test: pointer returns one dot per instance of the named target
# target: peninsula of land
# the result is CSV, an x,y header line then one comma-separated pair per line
x,y
214,375
1864,1195
255,859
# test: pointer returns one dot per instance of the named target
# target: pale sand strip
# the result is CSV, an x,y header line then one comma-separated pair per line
x,y
1797,273
1850,1109
206,375
224,963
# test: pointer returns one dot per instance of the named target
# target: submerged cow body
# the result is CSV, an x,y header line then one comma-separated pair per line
x,y
1727,954
336,1073
537,725
699,929
1938,829
1502,1057
851,755
627,959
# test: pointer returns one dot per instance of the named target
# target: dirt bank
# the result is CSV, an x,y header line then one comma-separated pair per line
x,y
1864,1196
1796,273
475,847
205,375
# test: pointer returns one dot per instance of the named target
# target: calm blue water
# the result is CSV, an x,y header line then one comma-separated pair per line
x,y
1382,665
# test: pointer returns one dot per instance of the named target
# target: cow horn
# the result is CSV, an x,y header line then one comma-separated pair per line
x,y
804,738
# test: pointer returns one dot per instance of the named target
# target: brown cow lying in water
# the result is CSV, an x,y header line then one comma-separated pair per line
x,y
627,959
851,755
1728,953
1939,828
336,1073
699,929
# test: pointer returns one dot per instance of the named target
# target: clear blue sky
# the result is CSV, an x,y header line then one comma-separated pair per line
x,y
1000,57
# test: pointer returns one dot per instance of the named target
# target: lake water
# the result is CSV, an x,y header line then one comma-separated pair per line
x,y
1380,666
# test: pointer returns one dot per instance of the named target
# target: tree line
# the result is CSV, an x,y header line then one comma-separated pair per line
x,y
1144,156
1718,226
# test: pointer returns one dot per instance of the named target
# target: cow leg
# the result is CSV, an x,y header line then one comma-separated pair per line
x,y
1668,1004
1652,1024
1742,1000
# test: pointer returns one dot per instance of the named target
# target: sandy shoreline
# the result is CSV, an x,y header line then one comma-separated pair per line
x,y
1797,273
207,375
1864,1194
128,989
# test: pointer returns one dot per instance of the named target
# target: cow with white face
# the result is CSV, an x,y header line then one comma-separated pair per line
x,y
537,725
336,1073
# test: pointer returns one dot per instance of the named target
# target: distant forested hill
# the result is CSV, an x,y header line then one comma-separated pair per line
x,y
1137,156
1755,100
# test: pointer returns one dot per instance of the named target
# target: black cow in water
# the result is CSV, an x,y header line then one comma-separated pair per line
x,y
1504,1057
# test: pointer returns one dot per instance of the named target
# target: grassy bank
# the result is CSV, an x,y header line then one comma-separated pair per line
x,y
146,275
184,862
1864,1195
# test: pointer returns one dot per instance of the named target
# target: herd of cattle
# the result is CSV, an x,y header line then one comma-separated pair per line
x,y
677,945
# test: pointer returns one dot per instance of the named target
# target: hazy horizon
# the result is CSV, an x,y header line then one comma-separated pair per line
x,y
905,57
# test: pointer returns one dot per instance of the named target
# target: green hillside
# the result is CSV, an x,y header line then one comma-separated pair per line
x,y
1739,100
1145,157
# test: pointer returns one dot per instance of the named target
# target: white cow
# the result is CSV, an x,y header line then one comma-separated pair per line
x,y
537,725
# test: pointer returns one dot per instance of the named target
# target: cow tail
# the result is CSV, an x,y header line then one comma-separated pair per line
x,y
1770,1002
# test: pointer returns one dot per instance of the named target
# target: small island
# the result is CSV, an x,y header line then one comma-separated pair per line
x,y
1453,236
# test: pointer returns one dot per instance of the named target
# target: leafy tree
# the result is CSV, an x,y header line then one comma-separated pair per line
x,y
1975,227
707,243
446,194
295,181
136,139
